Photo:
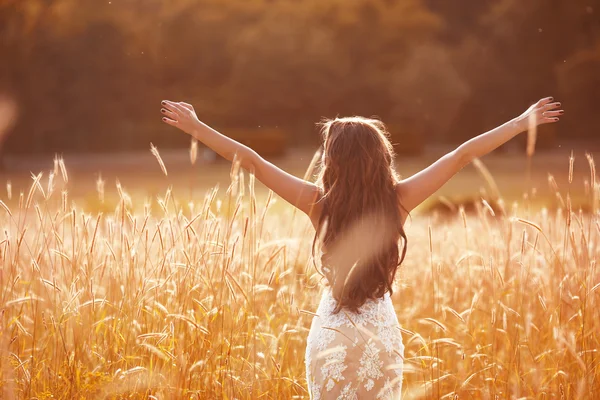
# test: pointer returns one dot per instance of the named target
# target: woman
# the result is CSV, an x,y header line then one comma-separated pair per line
x,y
358,207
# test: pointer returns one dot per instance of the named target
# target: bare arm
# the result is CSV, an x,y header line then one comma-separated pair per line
x,y
419,187
298,192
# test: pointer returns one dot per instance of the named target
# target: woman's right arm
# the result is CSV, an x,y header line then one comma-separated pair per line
x,y
414,190
298,192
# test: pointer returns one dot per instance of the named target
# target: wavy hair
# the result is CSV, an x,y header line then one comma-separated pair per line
x,y
358,184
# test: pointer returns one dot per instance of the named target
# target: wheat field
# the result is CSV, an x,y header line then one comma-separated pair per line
x,y
169,299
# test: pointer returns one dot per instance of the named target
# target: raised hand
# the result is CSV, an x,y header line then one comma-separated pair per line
x,y
298,192
423,184
545,111
180,115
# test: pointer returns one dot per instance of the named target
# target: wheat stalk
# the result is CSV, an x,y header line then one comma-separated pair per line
x,y
155,153
128,303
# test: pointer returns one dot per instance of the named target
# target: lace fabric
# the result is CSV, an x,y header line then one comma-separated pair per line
x,y
354,355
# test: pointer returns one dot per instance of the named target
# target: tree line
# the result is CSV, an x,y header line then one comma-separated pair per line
x,y
89,76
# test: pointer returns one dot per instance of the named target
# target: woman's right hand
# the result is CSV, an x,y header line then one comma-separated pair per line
x,y
545,111
180,115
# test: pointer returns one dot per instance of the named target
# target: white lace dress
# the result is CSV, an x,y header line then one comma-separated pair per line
x,y
354,356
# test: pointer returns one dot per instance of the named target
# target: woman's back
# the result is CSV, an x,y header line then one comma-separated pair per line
x,y
354,355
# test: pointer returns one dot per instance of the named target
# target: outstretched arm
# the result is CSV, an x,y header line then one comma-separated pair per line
x,y
296,191
414,190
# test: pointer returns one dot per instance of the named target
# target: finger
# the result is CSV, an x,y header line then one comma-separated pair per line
x,y
177,107
545,100
187,105
550,114
549,120
171,106
168,113
170,121
551,106
181,109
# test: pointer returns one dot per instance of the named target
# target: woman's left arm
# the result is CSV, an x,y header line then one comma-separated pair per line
x,y
298,192
417,188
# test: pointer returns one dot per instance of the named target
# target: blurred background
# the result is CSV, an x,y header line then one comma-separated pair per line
x,y
80,77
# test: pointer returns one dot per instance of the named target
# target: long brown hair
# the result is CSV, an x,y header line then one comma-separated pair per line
x,y
358,182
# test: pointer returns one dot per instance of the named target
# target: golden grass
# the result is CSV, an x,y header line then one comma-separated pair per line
x,y
212,299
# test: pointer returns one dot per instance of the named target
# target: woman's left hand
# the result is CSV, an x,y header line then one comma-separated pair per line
x,y
545,111
180,115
